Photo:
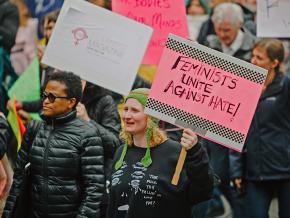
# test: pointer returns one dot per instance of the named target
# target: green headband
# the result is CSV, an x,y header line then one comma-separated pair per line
x,y
141,95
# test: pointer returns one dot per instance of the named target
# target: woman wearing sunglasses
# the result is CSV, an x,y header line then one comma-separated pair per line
x,y
65,155
145,164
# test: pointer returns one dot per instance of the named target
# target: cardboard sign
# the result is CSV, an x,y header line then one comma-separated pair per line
x,y
165,16
102,47
210,92
273,18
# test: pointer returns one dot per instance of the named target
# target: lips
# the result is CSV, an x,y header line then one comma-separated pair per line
x,y
46,108
129,123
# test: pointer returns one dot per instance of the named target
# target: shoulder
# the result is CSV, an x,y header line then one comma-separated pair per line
x,y
169,146
213,42
106,100
249,40
35,124
85,129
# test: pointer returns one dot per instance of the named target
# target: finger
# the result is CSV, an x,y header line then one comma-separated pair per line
x,y
192,138
185,145
185,140
188,131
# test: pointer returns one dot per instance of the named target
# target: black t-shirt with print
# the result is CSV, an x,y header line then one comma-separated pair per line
x,y
140,192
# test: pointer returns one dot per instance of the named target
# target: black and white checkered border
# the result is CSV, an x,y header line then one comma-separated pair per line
x,y
215,61
195,120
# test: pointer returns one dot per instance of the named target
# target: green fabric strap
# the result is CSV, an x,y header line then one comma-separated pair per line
x,y
146,160
119,163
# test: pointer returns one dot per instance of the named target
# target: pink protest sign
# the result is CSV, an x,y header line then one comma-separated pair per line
x,y
165,16
212,93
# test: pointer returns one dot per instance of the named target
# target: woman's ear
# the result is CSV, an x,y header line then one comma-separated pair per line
x,y
275,63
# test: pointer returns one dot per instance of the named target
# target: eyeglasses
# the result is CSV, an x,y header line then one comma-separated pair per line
x,y
51,97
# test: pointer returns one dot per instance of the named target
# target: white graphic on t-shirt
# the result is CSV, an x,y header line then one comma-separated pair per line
x,y
150,193
124,207
135,185
138,175
115,181
141,183
116,175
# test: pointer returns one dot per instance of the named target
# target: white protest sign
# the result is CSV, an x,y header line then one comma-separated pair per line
x,y
102,47
273,18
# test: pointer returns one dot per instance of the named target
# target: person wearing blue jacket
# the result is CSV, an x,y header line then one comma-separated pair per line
x,y
263,169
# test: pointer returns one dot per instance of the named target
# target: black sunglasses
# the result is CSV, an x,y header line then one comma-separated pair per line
x,y
51,97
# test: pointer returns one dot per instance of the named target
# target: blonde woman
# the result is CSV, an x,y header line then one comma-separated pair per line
x,y
144,166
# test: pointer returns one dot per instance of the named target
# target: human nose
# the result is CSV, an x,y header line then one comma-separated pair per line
x,y
254,60
45,100
126,114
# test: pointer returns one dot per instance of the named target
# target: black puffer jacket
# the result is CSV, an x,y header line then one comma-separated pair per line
x,y
4,136
67,169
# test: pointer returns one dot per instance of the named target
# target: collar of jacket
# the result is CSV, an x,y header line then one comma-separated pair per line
x,y
247,44
61,119
275,87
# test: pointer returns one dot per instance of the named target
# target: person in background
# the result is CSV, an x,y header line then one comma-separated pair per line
x,y
145,164
232,39
197,13
207,27
99,108
9,22
24,49
65,155
48,25
263,169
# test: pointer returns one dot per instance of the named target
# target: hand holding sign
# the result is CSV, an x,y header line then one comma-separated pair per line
x,y
188,140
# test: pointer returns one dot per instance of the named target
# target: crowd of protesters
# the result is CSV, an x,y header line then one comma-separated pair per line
x,y
95,153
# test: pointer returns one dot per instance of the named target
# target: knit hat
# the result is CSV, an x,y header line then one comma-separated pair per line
x,y
141,95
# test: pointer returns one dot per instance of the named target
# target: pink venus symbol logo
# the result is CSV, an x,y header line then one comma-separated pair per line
x,y
79,34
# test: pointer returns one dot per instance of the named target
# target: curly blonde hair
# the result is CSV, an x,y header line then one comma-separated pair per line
x,y
158,136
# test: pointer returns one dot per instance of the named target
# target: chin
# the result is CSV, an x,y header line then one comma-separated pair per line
x,y
46,113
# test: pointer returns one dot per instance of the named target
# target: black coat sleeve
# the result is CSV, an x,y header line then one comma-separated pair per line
x,y
108,124
200,184
92,176
32,106
4,136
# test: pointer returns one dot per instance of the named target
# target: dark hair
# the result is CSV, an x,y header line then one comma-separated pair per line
x,y
52,16
71,81
274,49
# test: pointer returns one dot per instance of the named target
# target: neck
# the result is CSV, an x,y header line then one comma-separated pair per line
x,y
140,140
269,79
